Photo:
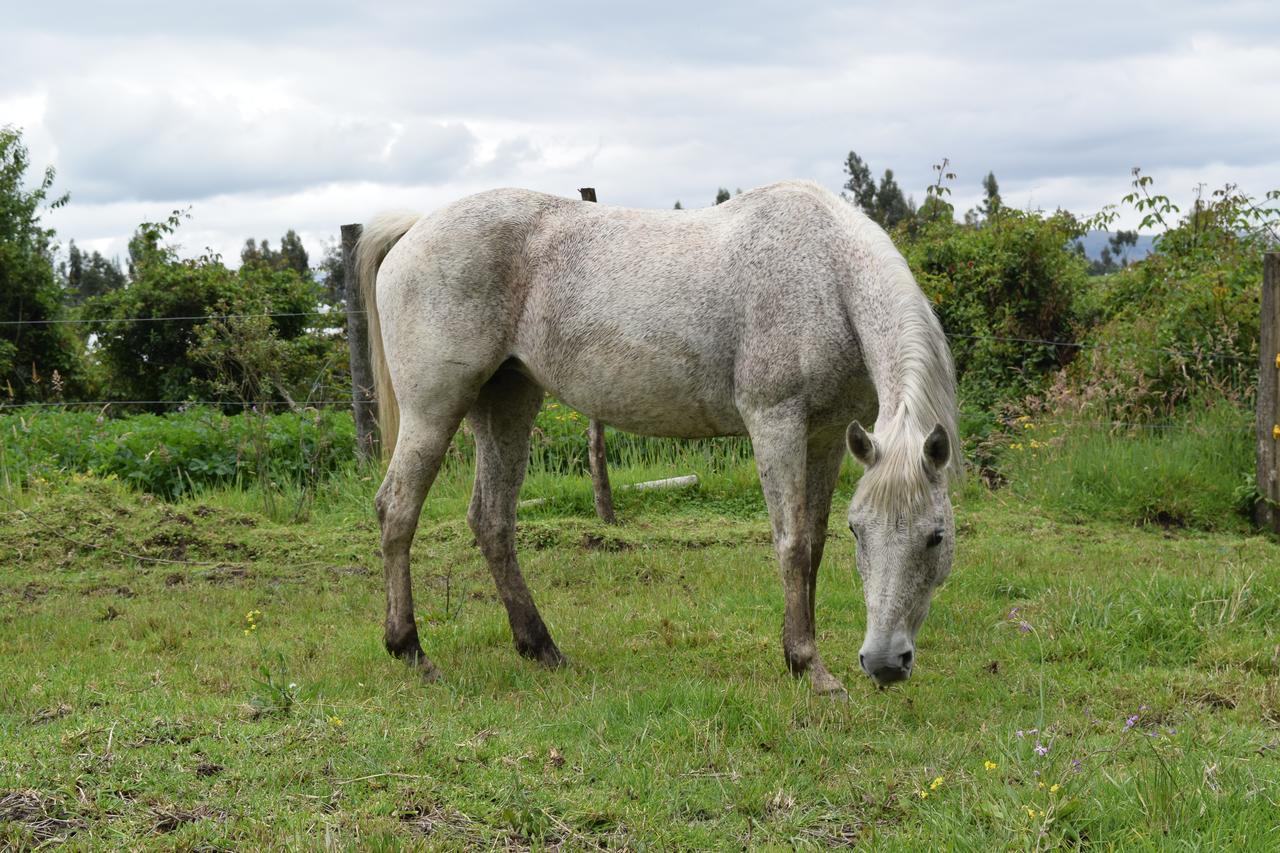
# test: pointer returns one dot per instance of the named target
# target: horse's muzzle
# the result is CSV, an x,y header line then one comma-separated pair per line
x,y
887,666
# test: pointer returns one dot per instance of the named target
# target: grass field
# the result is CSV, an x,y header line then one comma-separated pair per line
x,y
1093,684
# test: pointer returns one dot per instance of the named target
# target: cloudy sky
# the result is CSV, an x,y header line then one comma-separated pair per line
x,y
263,116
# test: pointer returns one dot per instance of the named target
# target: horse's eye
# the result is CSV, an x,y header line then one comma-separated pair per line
x,y
934,540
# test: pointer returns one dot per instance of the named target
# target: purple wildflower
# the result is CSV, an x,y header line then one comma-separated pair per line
x,y
1076,765
1024,733
1131,722
1013,614
1041,749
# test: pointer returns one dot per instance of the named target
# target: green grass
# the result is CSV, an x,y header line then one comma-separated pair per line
x,y
1197,473
136,711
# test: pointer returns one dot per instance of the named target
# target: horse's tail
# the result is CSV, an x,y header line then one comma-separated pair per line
x,y
375,242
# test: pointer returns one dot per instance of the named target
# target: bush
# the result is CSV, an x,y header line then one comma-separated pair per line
x,y
155,361
175,454
1183,323
1012,277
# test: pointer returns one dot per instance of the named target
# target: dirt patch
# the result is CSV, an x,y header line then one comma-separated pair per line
x,y
349,571
1214,700
1164,519
169,818
41,816
33,591
226,574
596,542
172,544
433,819
54,713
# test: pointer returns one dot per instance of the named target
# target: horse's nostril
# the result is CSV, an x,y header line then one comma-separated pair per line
x,y
906,660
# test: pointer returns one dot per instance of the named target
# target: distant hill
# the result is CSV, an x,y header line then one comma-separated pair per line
x,y
1095,241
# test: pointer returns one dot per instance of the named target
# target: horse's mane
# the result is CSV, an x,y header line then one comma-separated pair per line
x,y
915,381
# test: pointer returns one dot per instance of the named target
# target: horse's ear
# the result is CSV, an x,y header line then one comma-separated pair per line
x,y
861,445
937,447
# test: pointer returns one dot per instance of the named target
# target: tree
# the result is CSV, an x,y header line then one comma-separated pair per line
x,y
860,183
1118,243
38,359
722,195
333,275
87,275
292,255
678,206
891,206
152,360
885,204
991,202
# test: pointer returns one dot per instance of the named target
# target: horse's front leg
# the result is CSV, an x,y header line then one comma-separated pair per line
x,y
797,473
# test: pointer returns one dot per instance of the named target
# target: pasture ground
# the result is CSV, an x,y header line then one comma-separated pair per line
x,y
1078,685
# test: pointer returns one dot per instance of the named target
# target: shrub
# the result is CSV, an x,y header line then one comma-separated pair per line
x,y
1183,323
171,455
1014,278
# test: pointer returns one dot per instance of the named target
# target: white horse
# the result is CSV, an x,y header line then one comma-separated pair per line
x,y
783,314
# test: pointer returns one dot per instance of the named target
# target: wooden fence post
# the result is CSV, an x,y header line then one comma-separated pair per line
x,y
362,402
1268,509
595,443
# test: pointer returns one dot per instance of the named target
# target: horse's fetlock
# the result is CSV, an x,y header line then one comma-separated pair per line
x,y
800,655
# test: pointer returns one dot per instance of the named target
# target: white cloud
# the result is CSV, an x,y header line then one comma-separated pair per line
x,y
274,116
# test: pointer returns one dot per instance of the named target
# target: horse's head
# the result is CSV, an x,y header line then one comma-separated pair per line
x,y
901,517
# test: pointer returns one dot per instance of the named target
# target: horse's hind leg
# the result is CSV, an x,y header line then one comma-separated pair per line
x,y
421,445
501,420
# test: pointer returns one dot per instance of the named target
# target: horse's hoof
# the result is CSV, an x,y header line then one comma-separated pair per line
x,y
427,671
827,686
546,654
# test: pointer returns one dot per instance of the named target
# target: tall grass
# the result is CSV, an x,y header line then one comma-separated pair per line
x,y
1194,473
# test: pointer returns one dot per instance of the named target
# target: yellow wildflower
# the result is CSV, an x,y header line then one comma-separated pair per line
x,y
935,784
336,722
924,795
1053,789
990,765
1030,812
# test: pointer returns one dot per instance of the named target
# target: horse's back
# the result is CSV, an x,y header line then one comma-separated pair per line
x,y
659,322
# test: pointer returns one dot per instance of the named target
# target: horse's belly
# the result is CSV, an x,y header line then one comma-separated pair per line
x,y
644,396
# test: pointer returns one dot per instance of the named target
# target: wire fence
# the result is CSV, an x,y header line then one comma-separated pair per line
x,y
336,313
341,314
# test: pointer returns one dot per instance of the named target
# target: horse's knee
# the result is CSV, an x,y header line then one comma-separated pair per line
x,y
794,551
